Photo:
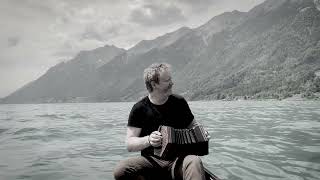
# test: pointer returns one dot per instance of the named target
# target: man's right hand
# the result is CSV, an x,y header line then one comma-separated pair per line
x,y
155,139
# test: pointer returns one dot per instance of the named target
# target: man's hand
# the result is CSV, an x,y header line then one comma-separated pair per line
x,y
155,139
208,135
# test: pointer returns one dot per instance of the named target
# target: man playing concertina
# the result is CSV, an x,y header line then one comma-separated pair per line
x,y
160,107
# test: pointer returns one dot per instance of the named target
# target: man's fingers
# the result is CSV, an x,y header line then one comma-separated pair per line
x,y
155,139
156,133
155,136
155,142
208,135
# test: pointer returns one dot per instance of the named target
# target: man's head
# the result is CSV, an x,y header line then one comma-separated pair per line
x,y
157,77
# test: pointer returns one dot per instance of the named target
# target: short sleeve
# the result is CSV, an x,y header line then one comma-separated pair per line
x,y
135,117
187,112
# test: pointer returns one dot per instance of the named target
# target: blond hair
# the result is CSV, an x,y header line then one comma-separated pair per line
x,y
152,73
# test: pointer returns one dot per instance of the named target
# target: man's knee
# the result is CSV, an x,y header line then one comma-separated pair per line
x,y
122,170
193,161
119,171
192,168
131,168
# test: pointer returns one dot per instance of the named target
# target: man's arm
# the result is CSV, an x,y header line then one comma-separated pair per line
x,y
134,142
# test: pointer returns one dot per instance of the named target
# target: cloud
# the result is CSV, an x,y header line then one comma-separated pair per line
x,y
199,5
103,30
36,35
317,3
13,41
156,14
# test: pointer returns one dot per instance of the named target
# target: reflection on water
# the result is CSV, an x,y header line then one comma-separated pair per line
x,y
251,140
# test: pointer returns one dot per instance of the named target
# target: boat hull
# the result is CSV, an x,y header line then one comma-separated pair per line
x,y
210,175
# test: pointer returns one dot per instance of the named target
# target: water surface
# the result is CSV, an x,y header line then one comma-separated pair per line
x,y
251,140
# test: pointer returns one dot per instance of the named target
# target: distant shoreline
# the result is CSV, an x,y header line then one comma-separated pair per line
x,y
297,97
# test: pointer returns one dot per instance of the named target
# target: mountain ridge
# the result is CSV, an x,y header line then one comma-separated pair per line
x,y
272,51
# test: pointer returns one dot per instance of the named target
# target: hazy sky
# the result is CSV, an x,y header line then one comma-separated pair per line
x,y
37,34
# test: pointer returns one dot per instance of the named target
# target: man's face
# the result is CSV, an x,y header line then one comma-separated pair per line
x,y
165,83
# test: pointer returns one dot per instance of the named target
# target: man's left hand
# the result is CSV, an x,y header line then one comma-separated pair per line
x,y
207,135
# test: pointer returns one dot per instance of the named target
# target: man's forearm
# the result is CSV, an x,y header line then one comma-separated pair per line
x,y
137,143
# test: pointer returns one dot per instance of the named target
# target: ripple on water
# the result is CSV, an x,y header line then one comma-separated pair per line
x,y
261,168
78,116
264,168
25,130
235,145
312,149
2,130
39,164
241,173
225,158
303,171
50,116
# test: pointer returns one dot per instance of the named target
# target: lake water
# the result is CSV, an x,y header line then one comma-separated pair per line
x,y
250,140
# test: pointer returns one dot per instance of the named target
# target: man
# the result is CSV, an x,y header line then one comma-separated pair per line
x,y
160,107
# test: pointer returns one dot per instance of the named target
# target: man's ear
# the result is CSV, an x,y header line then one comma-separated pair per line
x,y
153,84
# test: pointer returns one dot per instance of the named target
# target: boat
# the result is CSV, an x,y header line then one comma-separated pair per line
x,y
210,175
163,176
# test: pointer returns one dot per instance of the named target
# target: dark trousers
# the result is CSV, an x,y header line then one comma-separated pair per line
x,y
188,168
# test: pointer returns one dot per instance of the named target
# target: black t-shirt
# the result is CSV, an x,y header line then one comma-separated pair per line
x,y
175,112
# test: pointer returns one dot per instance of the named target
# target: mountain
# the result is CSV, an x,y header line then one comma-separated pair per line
x,y
272,51
74,80
263,57
160,42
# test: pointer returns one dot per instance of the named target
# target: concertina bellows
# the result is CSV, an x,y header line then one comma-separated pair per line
x,y
180,142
